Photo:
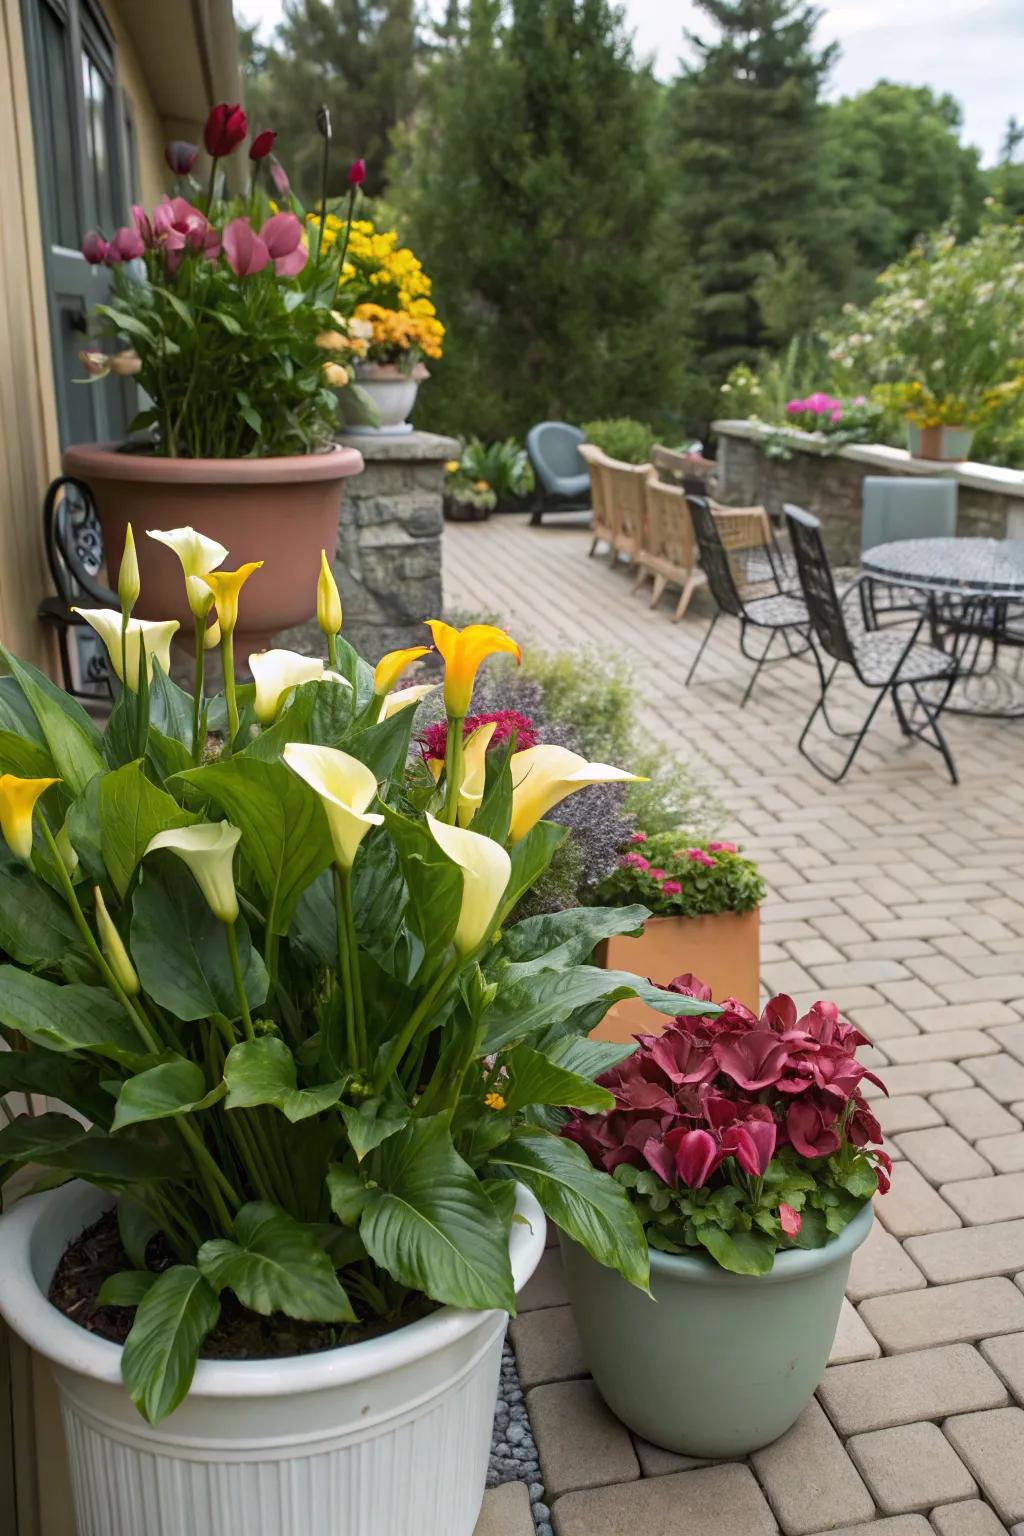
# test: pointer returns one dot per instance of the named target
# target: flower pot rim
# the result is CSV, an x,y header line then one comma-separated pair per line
x,y
696,917
108,462
34,1318
389,373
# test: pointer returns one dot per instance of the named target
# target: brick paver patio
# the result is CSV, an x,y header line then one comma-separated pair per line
x,y
902,897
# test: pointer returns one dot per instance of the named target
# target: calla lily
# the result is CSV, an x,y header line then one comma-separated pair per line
x,y
390,667
474,771
486,870
328,599
211,635
345,787
128,583
155,634
462,651
402,698
114,947
544,775
209,851
17,802
225,586
66,849
275,674
198,555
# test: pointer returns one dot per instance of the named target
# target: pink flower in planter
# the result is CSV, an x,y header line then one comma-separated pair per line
x,y
791,1221
94,248
723,848
141,222
696,1155
754,1058
634,861
671,888
698,856
246,253
638,837
657,874
125,246
282,236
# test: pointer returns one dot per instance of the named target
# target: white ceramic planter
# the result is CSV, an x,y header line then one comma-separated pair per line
x,y
385,1438
393,393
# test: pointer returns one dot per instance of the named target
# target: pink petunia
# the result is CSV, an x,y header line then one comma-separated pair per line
x,y
723,848
698,856
657,874
671,888
638,837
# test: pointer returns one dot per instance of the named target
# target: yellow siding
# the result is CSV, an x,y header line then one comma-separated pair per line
x,y
153,172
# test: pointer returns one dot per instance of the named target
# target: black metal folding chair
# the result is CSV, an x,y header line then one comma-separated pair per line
x,y
779,613
880,659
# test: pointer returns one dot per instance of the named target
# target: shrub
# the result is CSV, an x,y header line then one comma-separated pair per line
x,y
678,878
621,438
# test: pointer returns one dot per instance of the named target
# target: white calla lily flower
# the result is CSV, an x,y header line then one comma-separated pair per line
x,y
345,787
156,634
402,698
275,674
486,870
199,556
544,775
209,851
474,771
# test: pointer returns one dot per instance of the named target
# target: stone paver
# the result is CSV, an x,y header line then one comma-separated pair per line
x,y
999,1198
933,1077
810,1481
942,1155
907,1112
990,1445
953,1046
900,1389
1006,1355
1005,1153
547,1346
913,1206
970,1518
970,1253
657,1462
911,1468
944,1314
1002,1075
506,1512
547,1286
853,1341
975,1113
881,1265
895,1525
580,1442
725,1499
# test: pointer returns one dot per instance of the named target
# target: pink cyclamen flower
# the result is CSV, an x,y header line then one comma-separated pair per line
x,y
282,236
126,245
696,1155
671,888
698,856
246,252
94,248
722,848
638,837
791,1221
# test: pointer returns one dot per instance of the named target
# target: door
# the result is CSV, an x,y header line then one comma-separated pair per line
x,y
79,133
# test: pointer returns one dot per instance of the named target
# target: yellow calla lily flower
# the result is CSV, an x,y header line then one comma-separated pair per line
x,y
486,870
114,947
156,634
544,775
328,599
17,803
199,556
345,787
209,851
474,771
211,635
275,674
462,651
390,667
225,586
129,584
402,698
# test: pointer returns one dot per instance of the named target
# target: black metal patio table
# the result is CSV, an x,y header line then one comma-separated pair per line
x,y
975,592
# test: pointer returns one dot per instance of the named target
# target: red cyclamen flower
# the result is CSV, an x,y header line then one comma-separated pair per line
x,y
225,129
262,144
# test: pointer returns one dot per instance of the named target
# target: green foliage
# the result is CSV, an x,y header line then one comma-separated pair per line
x,y
504,465
723,881
621,438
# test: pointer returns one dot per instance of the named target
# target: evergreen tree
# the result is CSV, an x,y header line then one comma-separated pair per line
x,y
356,56
530,189
745,124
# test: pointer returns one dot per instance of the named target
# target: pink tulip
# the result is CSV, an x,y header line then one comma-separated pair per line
x,y
176,224
282,236
246,252
143,227
279,176
127,243
94,248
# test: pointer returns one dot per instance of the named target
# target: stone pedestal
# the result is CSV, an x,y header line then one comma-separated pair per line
x,y
388,560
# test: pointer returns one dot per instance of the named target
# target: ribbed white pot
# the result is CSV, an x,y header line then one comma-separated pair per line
x,y
385,1438
393,392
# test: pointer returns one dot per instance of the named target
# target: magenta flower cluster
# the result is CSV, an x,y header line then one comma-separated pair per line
x,y
434,740
177,227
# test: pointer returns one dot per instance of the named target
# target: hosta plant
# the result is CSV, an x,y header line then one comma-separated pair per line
x,y
738,1136
263,952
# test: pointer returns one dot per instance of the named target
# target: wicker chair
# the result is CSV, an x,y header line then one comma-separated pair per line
x,y
595,461
626,506
758,564
668,551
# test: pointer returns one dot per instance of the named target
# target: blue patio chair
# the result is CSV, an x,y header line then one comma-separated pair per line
x,y
563,483
895,508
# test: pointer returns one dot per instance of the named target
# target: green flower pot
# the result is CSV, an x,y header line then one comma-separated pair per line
x,y
718,1364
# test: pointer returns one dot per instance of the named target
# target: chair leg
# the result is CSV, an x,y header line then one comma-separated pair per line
x,y
931,714
689,587
660,583
837,778
707,636
757,670
641,576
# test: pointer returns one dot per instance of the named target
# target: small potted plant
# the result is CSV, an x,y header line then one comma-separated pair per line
x,y
703,897
269,961
487,477
385,291
751,1157
222,311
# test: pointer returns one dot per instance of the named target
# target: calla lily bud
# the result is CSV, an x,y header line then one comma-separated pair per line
x,y
181,156
486,871
462,651
390,667
474,772
65,847
199,556
128,584
155,634
357,173
328,599
225,129
211,636
262,144
17,804
403,698
275,674
114,947
345,787
209,851
544,775
225,586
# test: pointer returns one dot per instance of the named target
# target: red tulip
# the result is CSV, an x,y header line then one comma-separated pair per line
x,y
181,156
262,144
245,251
357,173
225,129
94,248
282,236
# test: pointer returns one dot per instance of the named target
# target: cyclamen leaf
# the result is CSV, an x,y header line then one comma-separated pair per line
x,y
743,1253
160,1353
276,1264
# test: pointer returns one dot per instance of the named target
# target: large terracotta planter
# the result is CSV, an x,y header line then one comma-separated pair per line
x,y
280,510
945,444
723,950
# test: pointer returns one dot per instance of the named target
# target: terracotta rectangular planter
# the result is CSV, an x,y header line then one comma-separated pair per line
x,y
723,950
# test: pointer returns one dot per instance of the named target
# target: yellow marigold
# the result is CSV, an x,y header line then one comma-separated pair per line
x,y
481,485
452,467
494,1101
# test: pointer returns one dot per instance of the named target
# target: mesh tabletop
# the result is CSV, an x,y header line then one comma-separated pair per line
x,y
972,566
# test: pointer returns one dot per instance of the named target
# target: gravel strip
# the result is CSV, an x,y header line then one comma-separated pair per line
x,y
513,1450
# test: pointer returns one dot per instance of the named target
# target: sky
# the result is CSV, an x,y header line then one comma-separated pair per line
x,y
974,49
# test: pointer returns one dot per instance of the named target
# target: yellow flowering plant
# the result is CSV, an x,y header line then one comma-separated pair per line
x,y
385,290
268,959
